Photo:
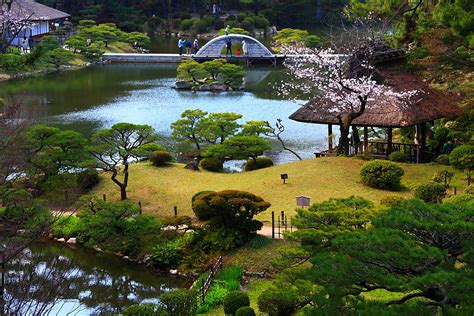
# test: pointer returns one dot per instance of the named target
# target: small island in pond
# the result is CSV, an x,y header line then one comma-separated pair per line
x,y
216,75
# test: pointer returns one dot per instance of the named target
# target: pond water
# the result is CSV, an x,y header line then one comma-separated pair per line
x,y
91,99
80,281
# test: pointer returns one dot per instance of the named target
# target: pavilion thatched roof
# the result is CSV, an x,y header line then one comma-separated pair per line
x,y
427,106
36,11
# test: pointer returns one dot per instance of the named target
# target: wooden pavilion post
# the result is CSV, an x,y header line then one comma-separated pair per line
x,y
420,132
366,140
389,141
330,138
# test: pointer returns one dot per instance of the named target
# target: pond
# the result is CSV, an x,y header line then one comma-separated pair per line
x,y
94,98
55,279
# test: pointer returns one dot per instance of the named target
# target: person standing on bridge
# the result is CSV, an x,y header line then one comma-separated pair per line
x,y
245,48
195,46
180,46
229,47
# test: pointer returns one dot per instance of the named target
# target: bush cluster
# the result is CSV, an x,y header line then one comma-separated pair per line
x,y
430,192
262,162
181,302
382,174
212,164
278,301
398,156
443,159
160,158
235,300
245,311
87,179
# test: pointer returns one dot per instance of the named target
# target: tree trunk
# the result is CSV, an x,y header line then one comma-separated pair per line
x,y
123,192
344,129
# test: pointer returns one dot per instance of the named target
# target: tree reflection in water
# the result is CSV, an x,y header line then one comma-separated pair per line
x,y
56,279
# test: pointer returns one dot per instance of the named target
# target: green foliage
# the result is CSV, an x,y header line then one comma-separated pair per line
x,y
58,57
65,226
200,26
469,189
259,242
190,127
215,297
87,179
117,227
147,309
160,158
231,277
235,30
186,24
181,302
444,177
457,15
462,157
217,127
381,174
295,37
245,311
239,147
12,62
138,39
211,164
230,213
391,200
166,255
398,156
443,159
278,301
197,195
235,300
430,192
259,163
217,70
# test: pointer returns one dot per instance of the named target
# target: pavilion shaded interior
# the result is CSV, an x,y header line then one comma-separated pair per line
x,y
390,112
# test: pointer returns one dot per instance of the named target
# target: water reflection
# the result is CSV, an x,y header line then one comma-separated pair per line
x,y
90,99
51,279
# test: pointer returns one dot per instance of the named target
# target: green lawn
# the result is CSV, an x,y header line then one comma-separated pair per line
x,y
160,189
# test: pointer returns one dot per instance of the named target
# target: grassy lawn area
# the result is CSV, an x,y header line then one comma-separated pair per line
x,y
120,47
160,189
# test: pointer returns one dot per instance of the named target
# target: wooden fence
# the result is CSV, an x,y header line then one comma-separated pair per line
x,y
213,271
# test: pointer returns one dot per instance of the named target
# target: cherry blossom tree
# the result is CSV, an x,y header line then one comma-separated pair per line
x,y
342,74
13,20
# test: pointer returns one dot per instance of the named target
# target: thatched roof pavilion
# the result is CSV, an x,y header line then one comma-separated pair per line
x,y
389,113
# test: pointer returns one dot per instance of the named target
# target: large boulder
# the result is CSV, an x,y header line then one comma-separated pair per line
x,y
218,87
205,87
183,85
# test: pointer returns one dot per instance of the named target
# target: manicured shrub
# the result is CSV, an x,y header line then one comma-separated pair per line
x,y
212,164
245,311
391,200
235,300
218,24
443,177
160,158
443,159
262,162
278,301
182,302
186,24
144,310
462,157
382,174
197,195
87,179
200,26
398,156
215,297
430,192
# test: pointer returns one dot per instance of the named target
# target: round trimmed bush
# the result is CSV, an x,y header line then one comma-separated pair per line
x,y
186,24
200,26
245,311
462,157
398,156
160,158
200,193
235,300
212,164
262,162
430,192
382,174
443,159
147,309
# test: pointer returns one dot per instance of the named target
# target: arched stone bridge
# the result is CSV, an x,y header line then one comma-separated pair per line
x,y
214,47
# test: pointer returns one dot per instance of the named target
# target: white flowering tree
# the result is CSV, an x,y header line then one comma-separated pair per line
x,y
343,75
13,20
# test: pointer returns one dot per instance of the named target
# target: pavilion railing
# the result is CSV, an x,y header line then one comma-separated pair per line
x,y
379,149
